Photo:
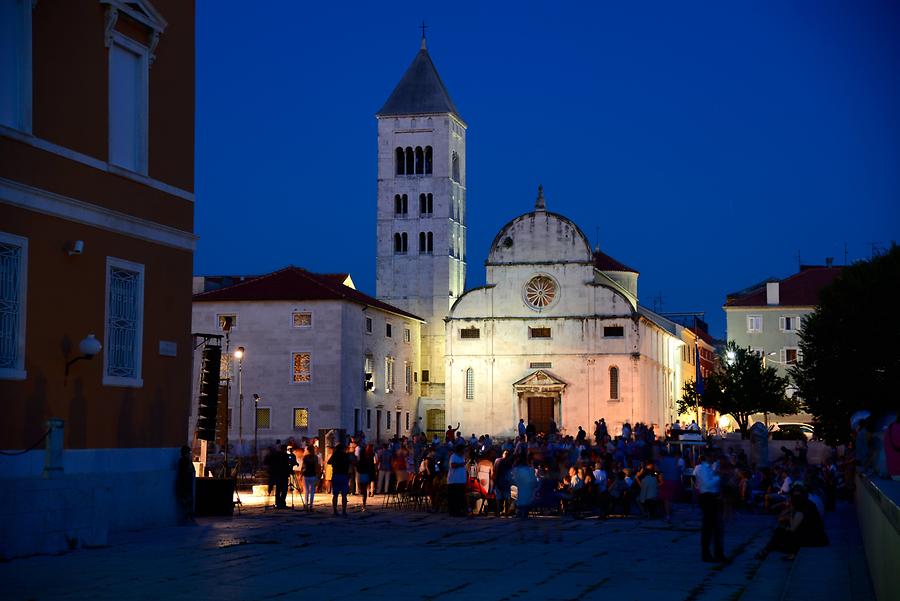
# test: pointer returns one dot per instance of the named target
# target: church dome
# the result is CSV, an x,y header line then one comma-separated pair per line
x,y
540,237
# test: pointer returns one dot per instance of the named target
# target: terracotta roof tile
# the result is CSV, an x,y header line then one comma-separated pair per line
x,y
604,262
296,284
799,290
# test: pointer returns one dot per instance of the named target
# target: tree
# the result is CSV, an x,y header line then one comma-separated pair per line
x,y
850,356
741,387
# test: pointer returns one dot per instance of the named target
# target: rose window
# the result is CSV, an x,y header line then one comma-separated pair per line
x,y
540,291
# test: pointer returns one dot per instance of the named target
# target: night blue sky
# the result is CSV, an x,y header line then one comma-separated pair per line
x,y
709,142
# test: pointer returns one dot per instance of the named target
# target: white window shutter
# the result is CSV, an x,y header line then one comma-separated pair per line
x,y
781,324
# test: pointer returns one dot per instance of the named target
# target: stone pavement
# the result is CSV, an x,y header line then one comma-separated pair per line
x,y
388,554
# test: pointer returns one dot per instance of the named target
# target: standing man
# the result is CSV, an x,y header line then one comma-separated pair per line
x,y
456,482
384,470
707,482
522,428
530,432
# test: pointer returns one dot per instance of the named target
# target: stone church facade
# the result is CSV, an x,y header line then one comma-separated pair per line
x,y
556,334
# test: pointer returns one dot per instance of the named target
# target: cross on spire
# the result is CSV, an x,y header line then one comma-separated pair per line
x,y
423,27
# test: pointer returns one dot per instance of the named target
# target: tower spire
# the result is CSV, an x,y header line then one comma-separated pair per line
x,y
539,204
423,27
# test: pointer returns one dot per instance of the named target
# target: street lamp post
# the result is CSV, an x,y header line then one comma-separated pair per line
x,y
255,430
239,355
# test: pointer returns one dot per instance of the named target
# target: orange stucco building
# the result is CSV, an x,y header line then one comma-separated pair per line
x,y
96,239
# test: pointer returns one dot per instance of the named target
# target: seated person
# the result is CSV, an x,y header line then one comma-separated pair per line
x,y
800,525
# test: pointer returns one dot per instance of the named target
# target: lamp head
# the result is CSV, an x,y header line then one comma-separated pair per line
x,y
255,397
239,353
90,346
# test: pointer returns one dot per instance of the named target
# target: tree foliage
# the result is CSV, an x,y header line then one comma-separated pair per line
x,y
741,387
851,357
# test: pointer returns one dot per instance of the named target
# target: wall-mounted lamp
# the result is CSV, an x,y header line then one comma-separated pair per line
x,y
88,347
75,248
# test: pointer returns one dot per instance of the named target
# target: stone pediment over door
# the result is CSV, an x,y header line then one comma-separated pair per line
x,y
540,381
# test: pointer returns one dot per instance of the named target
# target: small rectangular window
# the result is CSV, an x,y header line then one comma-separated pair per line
x,y
368,419
406,335
791,356
355,421
538,332
754,324
470,333
368,325
407,420
387,330
613,332
301,418
301,367
264,418
226,321
301,319
540,365
425,375
388,414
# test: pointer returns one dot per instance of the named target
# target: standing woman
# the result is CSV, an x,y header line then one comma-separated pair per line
x,y
310,471
365,472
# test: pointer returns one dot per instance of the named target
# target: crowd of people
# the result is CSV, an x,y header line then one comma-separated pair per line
x,y
634,472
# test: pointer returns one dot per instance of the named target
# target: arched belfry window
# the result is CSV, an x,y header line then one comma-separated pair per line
x,y
421,242
470,383
454,171
429,160
398,204
614,383
398,243
420,161
422,204
403,243
410,164
429,205
400,159
429,242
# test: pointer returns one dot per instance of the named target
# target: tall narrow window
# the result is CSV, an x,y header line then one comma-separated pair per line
x,y
420,161
400,159
404,244
410,166
470,384
429,242
408,377
422,204
13,274
455,167
15,64
428,160
128,114
398,243
124,323
302,368
429,203
422,244
398,204
614,383
388,375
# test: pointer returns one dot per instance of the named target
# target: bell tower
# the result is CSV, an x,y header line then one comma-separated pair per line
x,y
421,217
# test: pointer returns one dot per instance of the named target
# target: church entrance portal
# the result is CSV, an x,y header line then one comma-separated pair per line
x,y
540,412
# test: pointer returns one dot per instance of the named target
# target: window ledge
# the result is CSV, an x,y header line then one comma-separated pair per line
x,y
7,373
123,382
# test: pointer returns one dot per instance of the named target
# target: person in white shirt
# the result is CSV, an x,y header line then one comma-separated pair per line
x,y
708,485
456,483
